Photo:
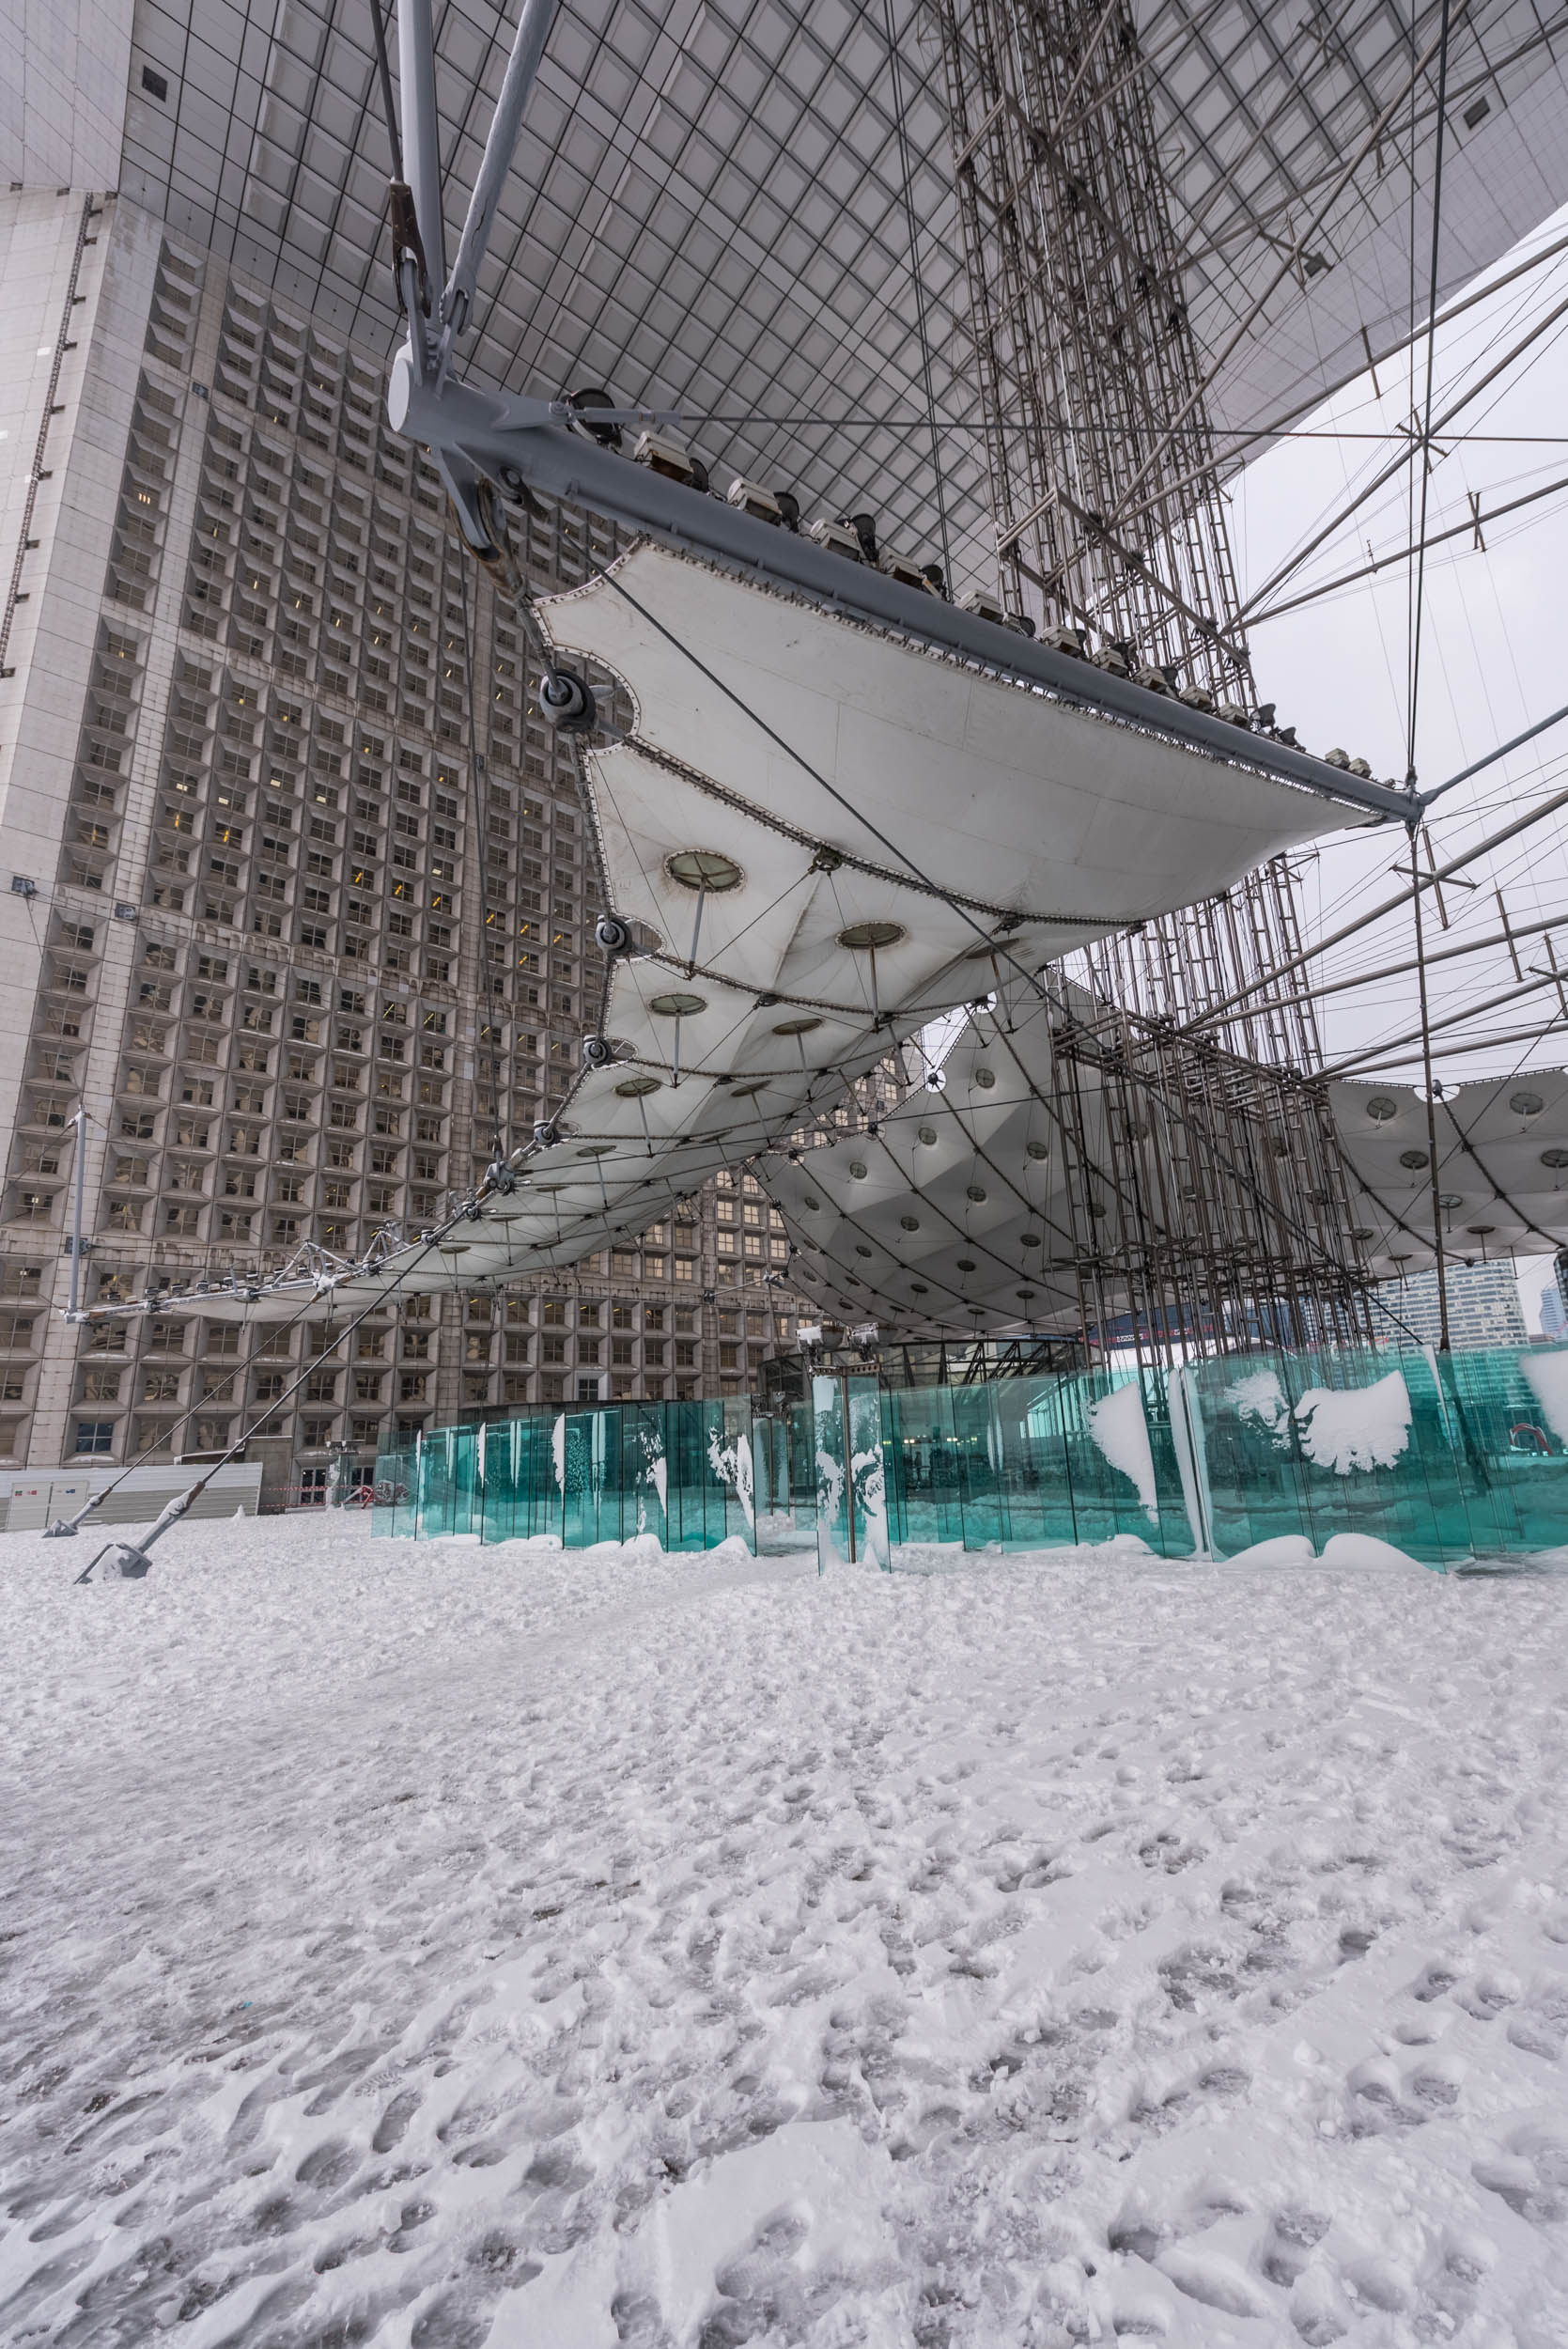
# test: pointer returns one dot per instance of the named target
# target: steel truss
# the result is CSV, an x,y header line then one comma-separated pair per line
x,y
1221,1180
1093,398
1085,355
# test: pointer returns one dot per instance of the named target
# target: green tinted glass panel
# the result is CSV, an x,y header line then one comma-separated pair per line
x,y
853,1500
1446,1459
520,1498
392,1509
1356,1441
924,1504
1510,1405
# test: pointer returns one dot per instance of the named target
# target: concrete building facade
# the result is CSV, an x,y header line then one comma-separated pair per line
x,y
297,895
1482,1301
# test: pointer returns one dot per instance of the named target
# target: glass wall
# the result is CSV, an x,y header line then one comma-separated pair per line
x,y
1444,1458
392,1510
850,1413
1352,1442
1510,1406
1035,1463
784,1446
681,1471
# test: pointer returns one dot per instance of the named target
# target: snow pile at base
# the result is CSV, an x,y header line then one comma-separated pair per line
x,y
1366,1551
1358,1551
1282,1550
435,1946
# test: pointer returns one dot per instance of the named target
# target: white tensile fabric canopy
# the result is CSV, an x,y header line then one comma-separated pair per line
x,y
819,837
822,837
1502,1167
962,1211
952,1217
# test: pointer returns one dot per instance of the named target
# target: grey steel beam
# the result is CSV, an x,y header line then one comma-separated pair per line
x,y
417,75
524,443
522,66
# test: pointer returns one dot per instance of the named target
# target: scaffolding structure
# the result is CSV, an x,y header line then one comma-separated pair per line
x,y
1084,354
1091,386
1146,1192
1205,1192
1179,968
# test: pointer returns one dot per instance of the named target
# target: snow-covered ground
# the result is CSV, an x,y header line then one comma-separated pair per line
x,y
434,1946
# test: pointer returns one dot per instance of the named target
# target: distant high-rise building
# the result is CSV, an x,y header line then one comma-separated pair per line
x,y
297,895
1482,1301
1555,1297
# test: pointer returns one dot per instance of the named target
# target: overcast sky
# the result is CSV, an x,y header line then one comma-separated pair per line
x,y
1493,640
1491,662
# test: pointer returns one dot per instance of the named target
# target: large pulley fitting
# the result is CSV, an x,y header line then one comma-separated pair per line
x,y
567,702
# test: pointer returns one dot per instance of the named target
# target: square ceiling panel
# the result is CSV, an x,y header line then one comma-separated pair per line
x,y
712,202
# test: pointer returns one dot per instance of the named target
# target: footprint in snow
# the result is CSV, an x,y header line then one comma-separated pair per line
x,y
395,2120
1318,2307
329,2164
1214,2281
1198,1975
1447,2289
1438,1976
639,2322
1531,2172
1295,2231
446,2322
768,2291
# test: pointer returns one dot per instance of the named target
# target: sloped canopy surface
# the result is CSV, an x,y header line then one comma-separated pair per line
x,y
820,837
999,1201
966,1210
1502,1168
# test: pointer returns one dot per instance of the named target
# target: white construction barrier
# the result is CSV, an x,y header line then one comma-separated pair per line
x,y
31,1499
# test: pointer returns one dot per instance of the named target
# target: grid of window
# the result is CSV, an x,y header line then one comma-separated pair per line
x,y
350,940
756,258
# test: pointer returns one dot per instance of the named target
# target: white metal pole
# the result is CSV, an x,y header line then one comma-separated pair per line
x,y
416,75
80,1123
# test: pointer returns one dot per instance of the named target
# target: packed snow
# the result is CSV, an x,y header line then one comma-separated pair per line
x,y
1356,1427
1120,1430
1547,1374
433,1946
